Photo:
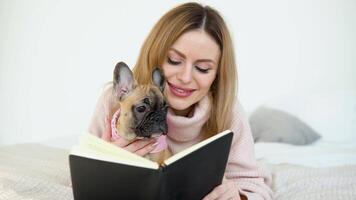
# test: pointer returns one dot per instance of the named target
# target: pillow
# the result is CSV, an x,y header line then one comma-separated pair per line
x,y
271,125
330,113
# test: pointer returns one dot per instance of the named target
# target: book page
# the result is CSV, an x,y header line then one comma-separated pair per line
x,y
195,147
93,147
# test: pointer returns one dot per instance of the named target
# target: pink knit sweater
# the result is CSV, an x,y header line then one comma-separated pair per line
x,y
252,180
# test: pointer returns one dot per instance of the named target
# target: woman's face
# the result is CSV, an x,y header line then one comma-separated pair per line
x,y
190,68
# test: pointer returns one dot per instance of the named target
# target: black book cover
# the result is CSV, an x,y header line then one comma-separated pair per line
x,y
189,177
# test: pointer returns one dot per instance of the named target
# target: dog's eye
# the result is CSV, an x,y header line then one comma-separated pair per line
x,y
146,101
141,109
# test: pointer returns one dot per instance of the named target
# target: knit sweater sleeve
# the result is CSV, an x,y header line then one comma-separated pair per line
x,y
253,181
97,123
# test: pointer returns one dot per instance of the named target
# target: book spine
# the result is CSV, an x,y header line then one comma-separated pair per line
x,y
162,187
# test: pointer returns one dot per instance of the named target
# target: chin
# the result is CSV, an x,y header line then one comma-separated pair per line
x,y
179,104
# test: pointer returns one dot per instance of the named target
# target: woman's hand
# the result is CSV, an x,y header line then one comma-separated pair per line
x,y
227,190
139,147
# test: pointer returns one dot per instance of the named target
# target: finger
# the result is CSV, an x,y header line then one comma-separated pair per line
x,y
138,144
146,149
229,194
107,133
121,142
231,191
216,193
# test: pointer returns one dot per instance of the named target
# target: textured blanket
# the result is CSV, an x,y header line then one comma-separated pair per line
x,y
38,172
34,171
293,182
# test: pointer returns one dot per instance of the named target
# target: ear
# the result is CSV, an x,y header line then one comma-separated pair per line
x,y
158,78
123,80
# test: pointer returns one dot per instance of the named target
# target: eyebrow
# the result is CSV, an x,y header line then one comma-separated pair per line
x,y
199,60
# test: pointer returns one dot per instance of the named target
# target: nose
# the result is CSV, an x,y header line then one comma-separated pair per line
x,y
163,128
185,74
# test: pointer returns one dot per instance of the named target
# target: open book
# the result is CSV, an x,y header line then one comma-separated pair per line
x,y
100,170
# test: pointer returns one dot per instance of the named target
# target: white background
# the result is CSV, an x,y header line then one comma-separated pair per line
x,y
55,55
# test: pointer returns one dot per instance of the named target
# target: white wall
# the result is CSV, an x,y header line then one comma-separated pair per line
x,y
55,55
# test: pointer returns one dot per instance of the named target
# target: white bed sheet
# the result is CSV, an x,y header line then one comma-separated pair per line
x,y
319,154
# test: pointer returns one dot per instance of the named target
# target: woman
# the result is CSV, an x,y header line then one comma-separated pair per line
x,y
193,46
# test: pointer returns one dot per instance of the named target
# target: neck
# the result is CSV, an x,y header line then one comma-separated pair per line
x,y
187,129
183,113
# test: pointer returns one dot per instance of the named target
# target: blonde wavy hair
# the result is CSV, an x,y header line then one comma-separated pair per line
x,y
167,30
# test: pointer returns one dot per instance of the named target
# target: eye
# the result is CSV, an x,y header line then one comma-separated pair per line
x,y
204,71
141,109
172,62
146,101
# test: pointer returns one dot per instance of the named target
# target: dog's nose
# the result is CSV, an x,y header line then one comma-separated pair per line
x,y
164,107
164,128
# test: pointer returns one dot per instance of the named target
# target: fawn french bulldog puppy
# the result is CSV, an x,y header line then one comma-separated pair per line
x,y
140,111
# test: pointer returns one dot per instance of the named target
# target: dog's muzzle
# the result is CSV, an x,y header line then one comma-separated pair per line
x,y
153,123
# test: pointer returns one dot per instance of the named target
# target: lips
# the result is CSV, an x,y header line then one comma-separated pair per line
x,y
179,91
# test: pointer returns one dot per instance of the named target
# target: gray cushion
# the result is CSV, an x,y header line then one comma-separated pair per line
x,y
271,125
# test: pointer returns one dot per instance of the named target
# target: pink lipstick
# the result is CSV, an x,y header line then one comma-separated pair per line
x,y
179,91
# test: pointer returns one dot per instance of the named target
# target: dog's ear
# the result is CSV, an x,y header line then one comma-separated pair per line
x,y
123,80
158,78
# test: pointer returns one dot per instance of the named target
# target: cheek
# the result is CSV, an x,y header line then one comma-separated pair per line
x,y
126,116
205,82
167,70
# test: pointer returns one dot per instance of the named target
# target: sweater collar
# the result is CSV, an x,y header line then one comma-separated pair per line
x,y
184,129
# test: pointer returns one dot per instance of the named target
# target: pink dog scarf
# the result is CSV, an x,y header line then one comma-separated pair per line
x,y
161,141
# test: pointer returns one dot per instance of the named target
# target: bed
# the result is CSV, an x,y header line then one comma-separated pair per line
x,y
319,171
324,168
